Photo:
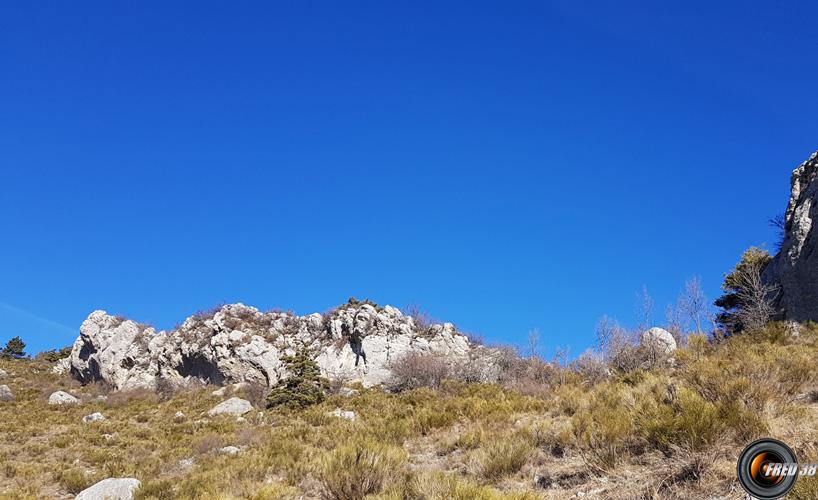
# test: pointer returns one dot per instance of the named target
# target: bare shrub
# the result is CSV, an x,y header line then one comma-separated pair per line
x,y
255,392
416,370
591,366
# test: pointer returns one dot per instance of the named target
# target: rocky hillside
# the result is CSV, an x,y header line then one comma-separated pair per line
x,y
236,343
795,268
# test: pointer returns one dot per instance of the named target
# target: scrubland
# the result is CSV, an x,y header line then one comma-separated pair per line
x,y
666,429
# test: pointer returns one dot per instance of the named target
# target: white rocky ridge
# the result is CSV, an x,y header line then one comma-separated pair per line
x,y
236,343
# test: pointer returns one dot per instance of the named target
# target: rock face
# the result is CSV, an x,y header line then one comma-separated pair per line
x,y
237,343
795,268
659,339
111,489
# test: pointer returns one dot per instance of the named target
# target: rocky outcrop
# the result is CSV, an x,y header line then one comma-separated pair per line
x,y
795,268
237,343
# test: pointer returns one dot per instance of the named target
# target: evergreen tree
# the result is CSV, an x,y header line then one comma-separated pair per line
x,y
304,387
748,301
15,348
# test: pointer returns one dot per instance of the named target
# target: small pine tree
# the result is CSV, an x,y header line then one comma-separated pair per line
x,y
15,348
747,303
304,387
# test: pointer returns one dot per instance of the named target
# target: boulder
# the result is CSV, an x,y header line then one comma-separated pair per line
x,y
111,489
794,269
659,339
346,415
62,398
5,393
94,417
230,450
233,406
237,344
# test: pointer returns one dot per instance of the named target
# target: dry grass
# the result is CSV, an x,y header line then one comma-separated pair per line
x,y
672,431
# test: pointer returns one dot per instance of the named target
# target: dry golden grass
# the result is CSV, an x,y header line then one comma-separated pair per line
x,y
671,432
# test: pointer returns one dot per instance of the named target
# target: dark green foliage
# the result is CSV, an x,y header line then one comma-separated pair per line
x,y
304,387
15,348
747,301
54,355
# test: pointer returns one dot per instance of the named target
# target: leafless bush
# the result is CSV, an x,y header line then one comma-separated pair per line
x,y
591,366
255,392
417,370
693,303
420,318
756,297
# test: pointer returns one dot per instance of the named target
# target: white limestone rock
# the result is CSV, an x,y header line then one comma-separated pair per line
x,y
229,450
794,270
659,339
233,406
237,344
5,393
346,415
62,398
111,489
3,374
94,417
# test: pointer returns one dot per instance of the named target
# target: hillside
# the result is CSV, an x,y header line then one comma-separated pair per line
x,y
667,428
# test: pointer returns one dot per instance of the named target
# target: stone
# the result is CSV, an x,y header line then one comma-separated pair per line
x,y
659,339
62,366
229,450
794,269
62,398
5,393
219,392
233,406
111,489
3,374
347,392
346,415
187,463
237,344
178,416
94,417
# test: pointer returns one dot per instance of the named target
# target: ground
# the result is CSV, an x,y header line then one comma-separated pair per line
x,y
666,432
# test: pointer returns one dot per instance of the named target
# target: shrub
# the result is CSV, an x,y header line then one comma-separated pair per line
x,y
54,355
361,468
604,425
416,370
504,456
304,387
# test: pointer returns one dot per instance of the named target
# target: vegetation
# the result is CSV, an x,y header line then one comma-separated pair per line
x,y
663,430
15,348
747,303
303,387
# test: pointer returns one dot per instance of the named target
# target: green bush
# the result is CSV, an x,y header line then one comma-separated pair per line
x,y
304,387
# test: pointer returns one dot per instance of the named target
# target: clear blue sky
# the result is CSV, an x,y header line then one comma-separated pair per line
x,y
505,165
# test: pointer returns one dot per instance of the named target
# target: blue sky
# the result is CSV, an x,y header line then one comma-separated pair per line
x,y
506,166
